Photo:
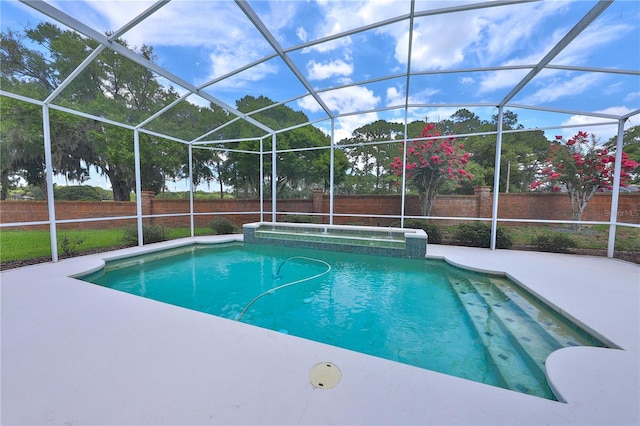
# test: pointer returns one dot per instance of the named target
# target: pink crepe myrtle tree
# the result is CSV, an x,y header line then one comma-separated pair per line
x,y
431,161
583,167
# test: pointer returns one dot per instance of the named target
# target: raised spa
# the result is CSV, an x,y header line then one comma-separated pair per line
x,y
396,242
424,312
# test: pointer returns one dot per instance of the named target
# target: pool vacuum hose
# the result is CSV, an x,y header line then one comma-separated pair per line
x,y
277,275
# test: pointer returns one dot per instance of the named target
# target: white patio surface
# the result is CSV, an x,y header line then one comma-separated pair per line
x,y
77,353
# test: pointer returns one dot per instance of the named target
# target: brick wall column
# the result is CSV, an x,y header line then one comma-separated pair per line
x,y
485,202
147,201
318,201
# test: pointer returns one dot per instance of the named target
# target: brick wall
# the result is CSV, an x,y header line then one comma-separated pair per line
x,y
34,211
558,207
512,206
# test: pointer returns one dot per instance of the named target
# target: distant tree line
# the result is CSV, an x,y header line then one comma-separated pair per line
x,y
370,164
38,60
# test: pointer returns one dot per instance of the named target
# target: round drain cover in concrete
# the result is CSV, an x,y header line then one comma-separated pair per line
x,y
325,375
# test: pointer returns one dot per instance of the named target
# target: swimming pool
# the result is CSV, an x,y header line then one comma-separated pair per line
x,y
420,312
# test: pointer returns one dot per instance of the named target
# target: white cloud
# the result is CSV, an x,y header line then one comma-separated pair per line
x,y
338,16
497,80
604,133
322,71
302,34
329,46
279,17
350,99
308,103
600,33
613,88
615,110
198,101
104,15
333,18
345,126
485,35
501,40
507,30
396,96
231,43
438,44
175,24
224,61
553,90
632,96
374,11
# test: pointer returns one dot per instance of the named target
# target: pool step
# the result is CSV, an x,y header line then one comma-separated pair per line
x,y
563,334
534,341
516,367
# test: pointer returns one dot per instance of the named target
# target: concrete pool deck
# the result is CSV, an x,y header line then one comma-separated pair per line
x,y
76,353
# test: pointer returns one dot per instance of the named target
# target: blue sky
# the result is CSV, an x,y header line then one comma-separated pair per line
x,y
204,40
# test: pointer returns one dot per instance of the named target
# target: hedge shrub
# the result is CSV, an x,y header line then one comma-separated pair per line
x,y
434,235
554,242
222,225
150,234
478,234
300,218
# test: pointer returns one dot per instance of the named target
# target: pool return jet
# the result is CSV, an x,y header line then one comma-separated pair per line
x,y
277,276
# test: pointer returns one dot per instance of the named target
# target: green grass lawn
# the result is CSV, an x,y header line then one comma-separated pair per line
x,y
589,237
17,245
23,244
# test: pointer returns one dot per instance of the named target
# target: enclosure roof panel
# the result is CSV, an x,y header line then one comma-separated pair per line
x,y
331,59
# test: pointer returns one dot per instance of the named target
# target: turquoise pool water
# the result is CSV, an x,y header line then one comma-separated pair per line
x,y
424,313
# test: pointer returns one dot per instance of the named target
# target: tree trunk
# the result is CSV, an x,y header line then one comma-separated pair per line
x,y
44,188
120,191
120,187
4,182
428,188
427,197
579,200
